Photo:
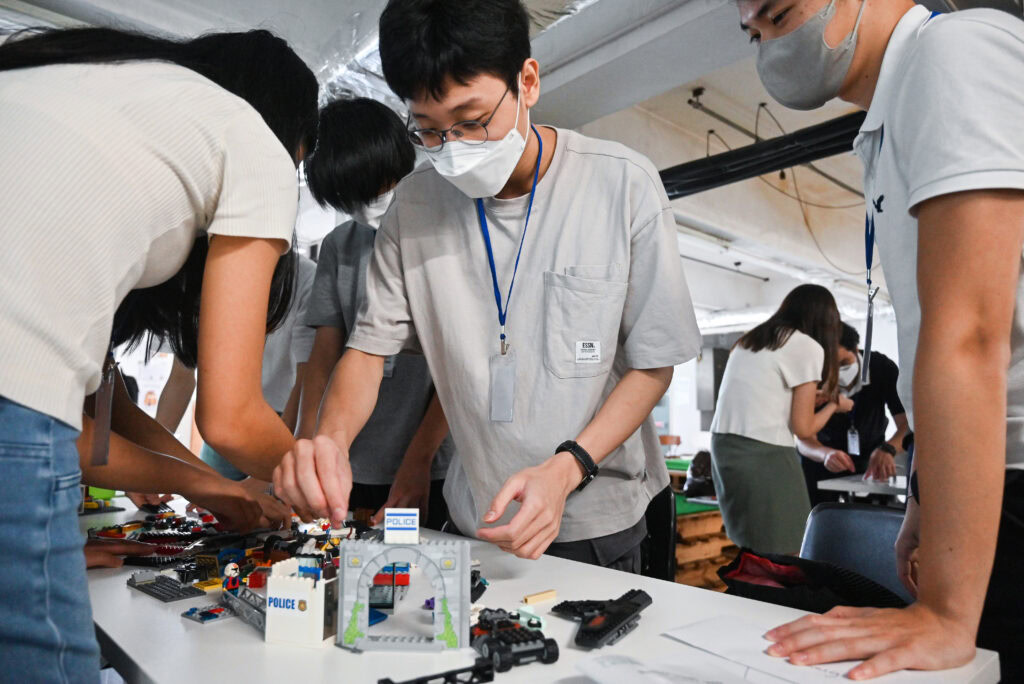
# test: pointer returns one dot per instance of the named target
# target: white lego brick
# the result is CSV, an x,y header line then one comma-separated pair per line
x,y
402,526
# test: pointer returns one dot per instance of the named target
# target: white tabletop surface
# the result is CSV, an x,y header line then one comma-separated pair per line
x,y
147,640
894,486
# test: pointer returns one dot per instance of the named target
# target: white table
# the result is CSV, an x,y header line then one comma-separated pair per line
x,y
148,641
856,484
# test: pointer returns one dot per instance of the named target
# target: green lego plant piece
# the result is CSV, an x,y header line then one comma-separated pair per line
x,y
448,636
352,631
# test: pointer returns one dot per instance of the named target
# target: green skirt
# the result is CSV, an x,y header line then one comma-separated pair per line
x,y
762,493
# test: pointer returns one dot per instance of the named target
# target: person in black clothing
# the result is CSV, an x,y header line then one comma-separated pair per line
x,y
855,442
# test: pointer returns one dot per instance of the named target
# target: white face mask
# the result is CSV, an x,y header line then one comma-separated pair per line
x,y
849,378
482,170
371,214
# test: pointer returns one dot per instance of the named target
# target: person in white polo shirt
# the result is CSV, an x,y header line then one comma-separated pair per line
x,y
538,272
943,153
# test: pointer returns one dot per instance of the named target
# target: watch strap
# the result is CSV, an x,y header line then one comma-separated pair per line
x,y
590,468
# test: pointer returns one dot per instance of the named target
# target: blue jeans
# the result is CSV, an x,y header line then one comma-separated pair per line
x,y
46,630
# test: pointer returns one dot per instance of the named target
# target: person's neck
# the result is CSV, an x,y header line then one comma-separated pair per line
x,y
880,19
521,181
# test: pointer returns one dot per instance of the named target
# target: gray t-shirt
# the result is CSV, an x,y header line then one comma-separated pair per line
x,y
600,290
291,343
339,290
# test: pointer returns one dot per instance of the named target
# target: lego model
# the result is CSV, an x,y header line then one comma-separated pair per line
x,y
445,564
231,582
249,606
390,586
212,613
500,636
401,526
477,673
604,622
96,500
162,587
302,597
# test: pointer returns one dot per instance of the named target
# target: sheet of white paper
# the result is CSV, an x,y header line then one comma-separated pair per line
x,y
741,641
616,669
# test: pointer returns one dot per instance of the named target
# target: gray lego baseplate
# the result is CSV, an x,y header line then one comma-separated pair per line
x,y
445,564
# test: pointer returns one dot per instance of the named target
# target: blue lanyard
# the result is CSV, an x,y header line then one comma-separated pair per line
x,y
503,312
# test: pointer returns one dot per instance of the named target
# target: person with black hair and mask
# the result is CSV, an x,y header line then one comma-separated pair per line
x,y
537,271
943,151
149,187
402,454
855,442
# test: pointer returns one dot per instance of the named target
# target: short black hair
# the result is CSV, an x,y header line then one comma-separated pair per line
x,y
425,42
849,338
363,148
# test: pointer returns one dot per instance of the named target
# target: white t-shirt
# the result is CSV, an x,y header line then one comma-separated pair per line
x,y
600,290
109,174
947,116
292,342
756,396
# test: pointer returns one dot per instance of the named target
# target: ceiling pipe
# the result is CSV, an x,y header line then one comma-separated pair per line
x,y
800,147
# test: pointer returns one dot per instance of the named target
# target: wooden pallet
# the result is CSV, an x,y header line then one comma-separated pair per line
x,y
703,573
698,524
702,548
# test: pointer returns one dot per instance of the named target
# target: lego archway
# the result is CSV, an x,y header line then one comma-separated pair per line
x,y
445,564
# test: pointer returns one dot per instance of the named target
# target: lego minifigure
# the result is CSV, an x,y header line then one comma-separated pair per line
x,y
231,582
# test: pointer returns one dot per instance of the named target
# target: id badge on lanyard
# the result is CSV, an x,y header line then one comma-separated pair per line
x,y
869,252
503,364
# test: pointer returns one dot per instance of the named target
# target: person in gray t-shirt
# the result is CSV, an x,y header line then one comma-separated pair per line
x,y
401,456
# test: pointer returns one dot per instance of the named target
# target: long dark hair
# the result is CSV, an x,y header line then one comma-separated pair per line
x,y
257,66
812,310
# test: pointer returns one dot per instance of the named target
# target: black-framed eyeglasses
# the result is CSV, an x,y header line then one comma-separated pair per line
x,y
467,132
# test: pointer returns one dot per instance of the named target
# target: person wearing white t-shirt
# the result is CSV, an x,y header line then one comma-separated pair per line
x,y
943,152
149,186
769,391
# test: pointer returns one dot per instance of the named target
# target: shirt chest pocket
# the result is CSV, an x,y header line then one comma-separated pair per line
x,y
581,324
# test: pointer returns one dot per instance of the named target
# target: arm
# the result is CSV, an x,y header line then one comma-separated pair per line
x,y
314,476
836,460
968,263
804,421
882,465
327,349
176,395
543,489
231,413
290,415
411,488
130,466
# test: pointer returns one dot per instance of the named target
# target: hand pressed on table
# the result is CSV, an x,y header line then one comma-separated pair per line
x,y
541,492
881,466
888,639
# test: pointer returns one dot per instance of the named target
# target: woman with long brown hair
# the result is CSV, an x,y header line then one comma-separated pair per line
x,y
776,376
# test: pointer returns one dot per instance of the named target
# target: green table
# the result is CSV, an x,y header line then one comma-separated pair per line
x,y
683,506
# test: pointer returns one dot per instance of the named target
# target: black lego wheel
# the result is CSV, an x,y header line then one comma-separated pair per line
x,y
550,653
502,659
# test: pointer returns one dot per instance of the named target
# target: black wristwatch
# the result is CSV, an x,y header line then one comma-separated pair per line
x,y
584,459
887,448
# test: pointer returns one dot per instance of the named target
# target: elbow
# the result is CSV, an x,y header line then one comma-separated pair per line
x,y
221,428
802,432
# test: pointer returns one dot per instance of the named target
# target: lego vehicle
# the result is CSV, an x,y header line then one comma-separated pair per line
x,y
499,636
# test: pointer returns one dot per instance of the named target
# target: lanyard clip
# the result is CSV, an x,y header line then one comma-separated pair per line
x,y
504,342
